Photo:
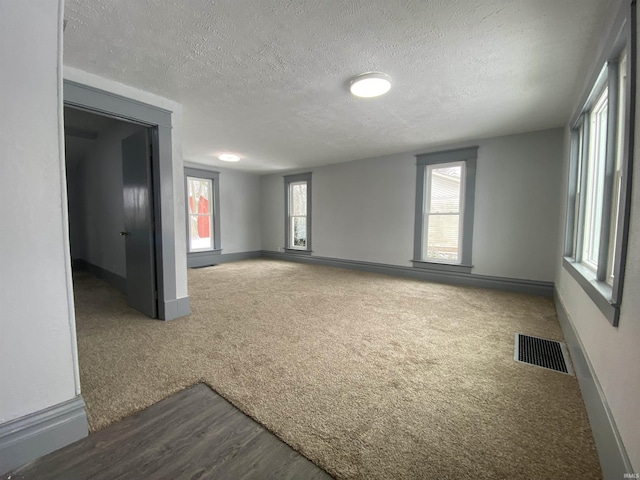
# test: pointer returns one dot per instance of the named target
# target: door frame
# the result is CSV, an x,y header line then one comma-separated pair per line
x,y
101,102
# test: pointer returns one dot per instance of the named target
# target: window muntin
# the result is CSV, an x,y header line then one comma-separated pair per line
x,y
443,213
200,208
298,215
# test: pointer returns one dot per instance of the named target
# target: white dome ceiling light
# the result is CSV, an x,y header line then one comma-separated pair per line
x,y
370,84
228,157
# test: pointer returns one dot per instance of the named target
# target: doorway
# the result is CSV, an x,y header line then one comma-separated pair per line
x,y
111,211
159,123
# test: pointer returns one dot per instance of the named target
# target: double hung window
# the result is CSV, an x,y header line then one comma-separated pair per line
x,y
599,187
202,191
444,210
298,213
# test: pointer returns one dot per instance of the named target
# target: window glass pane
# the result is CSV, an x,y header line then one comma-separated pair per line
x,y
199,194
299,232
298,198
442,232
200,206
578,191
445,190
595,182
200,233
443,237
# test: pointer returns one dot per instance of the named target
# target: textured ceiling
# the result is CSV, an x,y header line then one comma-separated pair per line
x,y
267,79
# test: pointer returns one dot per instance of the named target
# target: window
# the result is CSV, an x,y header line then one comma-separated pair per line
x,y
200,206
203,216
595,167
298,213
444,210
599,186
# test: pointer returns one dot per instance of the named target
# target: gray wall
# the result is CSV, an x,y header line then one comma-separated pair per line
x,y
96,209
614,353
364,210
239,210
38,359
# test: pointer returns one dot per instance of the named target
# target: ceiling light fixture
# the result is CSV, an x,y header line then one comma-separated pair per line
x,y
228,157
370,84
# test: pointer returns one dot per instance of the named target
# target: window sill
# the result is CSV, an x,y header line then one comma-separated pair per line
x,y
297,252
442,267
599,292
205,253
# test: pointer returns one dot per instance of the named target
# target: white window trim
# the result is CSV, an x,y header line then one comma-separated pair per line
x,y
427,213
595,166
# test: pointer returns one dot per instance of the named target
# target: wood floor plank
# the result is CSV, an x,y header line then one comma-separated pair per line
x,y
195,434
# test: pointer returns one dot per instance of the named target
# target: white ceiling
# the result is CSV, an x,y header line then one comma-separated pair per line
x,y
267,79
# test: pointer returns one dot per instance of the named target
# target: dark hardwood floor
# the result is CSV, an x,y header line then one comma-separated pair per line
x,y
195,434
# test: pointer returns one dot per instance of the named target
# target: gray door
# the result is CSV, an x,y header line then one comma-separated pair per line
x,y
138,223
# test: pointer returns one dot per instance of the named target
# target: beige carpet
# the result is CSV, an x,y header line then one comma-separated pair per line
x,y
369,376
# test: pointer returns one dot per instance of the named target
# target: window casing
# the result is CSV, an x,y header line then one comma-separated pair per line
x,y
202,192
445,191
599,192
297,210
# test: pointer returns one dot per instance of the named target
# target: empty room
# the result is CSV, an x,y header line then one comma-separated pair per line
x,y
308,240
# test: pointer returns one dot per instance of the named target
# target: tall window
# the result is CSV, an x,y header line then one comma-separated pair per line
x,y
595,170
443,213
298,213
202,216
444,209
200,205
599,187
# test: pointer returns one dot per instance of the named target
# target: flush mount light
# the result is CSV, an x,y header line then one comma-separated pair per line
x,y
370,84
228,157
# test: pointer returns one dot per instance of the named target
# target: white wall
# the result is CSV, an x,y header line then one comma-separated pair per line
x,y
96,203
614,353
95,81
38,364
364,210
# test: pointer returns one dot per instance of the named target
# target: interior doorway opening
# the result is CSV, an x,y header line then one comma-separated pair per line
x,y
111,204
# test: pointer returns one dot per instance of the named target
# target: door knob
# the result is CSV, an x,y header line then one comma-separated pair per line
x,y
122,234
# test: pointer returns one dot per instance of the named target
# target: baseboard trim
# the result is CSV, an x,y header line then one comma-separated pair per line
x,y
210,260
111,278
455,278
613,456
184,306
24,439
177,308
236,257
